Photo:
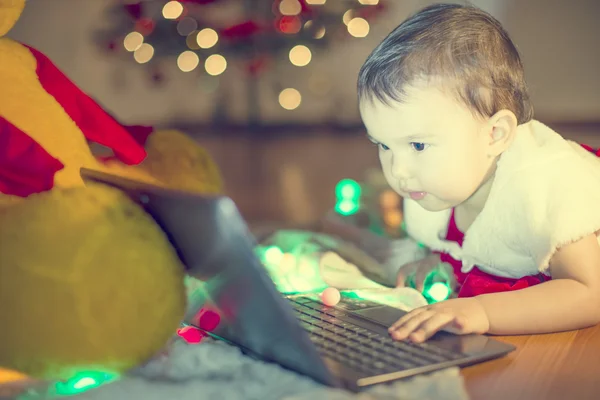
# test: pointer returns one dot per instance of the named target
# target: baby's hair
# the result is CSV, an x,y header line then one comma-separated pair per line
x,y
462,47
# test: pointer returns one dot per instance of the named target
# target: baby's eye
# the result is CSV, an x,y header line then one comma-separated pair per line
x,y
383,147
418,146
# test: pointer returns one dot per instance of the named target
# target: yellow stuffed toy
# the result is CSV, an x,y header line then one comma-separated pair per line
x,y
88,281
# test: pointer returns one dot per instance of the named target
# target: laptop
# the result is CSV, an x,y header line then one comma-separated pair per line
x,y
345,346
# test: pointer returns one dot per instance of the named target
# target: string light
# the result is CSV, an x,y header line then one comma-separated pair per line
x,y
290,7
133,41
392,218
215,64
290,98
390,205
188,61
191,334
300,55
439,291
320,33
82,382
192,42
144,53
290,24
288,16
347,17
348,193
207,38
389,199
358,27
273,255
172,10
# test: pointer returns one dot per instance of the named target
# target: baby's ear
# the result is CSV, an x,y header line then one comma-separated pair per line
x,y
502,129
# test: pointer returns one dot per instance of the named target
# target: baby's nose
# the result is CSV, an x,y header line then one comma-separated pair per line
x,y
400,171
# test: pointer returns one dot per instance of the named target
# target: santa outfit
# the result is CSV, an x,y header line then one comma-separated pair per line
x,y
545,194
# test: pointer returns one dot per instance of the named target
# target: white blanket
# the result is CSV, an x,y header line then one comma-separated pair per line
x,y
215,370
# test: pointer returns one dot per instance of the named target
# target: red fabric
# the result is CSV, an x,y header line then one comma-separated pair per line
x,y
139,132
477,282
591,150
95,123
25,167
241,30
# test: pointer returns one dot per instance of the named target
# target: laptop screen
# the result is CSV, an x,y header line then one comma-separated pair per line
x,y
230,293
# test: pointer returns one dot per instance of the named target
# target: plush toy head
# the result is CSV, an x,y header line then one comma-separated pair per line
x,y
10,11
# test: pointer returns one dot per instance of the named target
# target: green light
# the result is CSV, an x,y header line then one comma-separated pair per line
x,y
348,194
351,294
85,383
82,382
439,291
347,189
273,255
347,207
436,286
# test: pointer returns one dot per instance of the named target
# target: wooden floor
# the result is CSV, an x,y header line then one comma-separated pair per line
x,y
557,366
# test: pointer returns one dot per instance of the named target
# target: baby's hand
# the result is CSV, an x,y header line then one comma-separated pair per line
x,y
460,316
417,271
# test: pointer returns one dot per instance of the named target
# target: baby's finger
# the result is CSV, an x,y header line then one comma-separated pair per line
x,y
403,331
406,317
430,326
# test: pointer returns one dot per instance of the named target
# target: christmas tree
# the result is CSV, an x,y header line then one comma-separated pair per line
x,y
203,36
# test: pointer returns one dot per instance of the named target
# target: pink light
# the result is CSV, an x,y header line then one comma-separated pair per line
x,y
191,335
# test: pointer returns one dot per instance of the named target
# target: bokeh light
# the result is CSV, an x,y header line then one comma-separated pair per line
x,y
358,27
188,61
300,55
290,7
144,53
215,64
207,38
290,98
172,10
133,41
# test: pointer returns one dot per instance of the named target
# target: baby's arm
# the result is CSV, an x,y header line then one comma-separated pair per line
x,y
571,300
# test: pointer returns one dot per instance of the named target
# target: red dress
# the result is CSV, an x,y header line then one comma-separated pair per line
x,y
476,282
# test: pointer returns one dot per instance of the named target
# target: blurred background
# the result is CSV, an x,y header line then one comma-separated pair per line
x,y
268,86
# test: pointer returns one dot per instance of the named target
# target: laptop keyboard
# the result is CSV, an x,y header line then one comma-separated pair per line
x,y
359,348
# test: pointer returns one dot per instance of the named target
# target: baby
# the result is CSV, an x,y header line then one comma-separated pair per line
x,y
512,206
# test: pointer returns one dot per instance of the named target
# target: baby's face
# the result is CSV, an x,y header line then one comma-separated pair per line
x,y
431,147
